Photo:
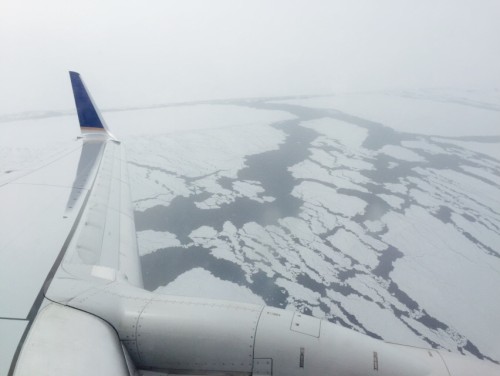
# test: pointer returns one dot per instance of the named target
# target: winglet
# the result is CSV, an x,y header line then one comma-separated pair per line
x,y
89,116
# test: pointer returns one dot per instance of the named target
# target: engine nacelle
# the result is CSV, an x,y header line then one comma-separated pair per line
x,y
201,336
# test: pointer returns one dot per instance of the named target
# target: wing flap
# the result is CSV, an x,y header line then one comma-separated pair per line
x,y
106,235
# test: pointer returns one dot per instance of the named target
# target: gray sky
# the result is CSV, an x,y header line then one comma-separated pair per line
x,y
133,52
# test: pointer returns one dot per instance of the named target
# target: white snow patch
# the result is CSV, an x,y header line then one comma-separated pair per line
x,y
359,231
394,201
299,228
220,196
485,193
320,219
349,179
340,178
350,135
175,119
412,115
401,153
202,233
425,146
299,292
199,282
447,274
151,187
250,189
374,226
426,199
323,158
149,241
351,245
396,188
355,160
491,149
484,173
381,321
202,157
322,196
487,236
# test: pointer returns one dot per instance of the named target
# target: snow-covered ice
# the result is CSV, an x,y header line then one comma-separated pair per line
x,y
201,283
400,153
365,201
412,115
150,241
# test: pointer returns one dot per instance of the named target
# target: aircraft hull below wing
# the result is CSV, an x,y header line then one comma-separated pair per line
x,y
65,341
183,335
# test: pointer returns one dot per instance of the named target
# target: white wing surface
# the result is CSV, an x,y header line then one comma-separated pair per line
x,y
76,207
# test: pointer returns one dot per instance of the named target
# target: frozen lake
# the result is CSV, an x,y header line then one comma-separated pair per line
x,y
392,231
377,211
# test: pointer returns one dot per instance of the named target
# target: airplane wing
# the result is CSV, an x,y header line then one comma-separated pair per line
x,y
72,301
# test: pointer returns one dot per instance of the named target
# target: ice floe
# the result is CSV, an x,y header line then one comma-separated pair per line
x,y
174,119
347,134
375,229
438,258
328,198
150,241
491,149
201,283
412,115
350,245
400,153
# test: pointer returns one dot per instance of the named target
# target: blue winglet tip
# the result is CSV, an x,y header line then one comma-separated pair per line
x,y
88,114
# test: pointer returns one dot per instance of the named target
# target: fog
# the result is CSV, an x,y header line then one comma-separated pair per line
x,y
135,53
